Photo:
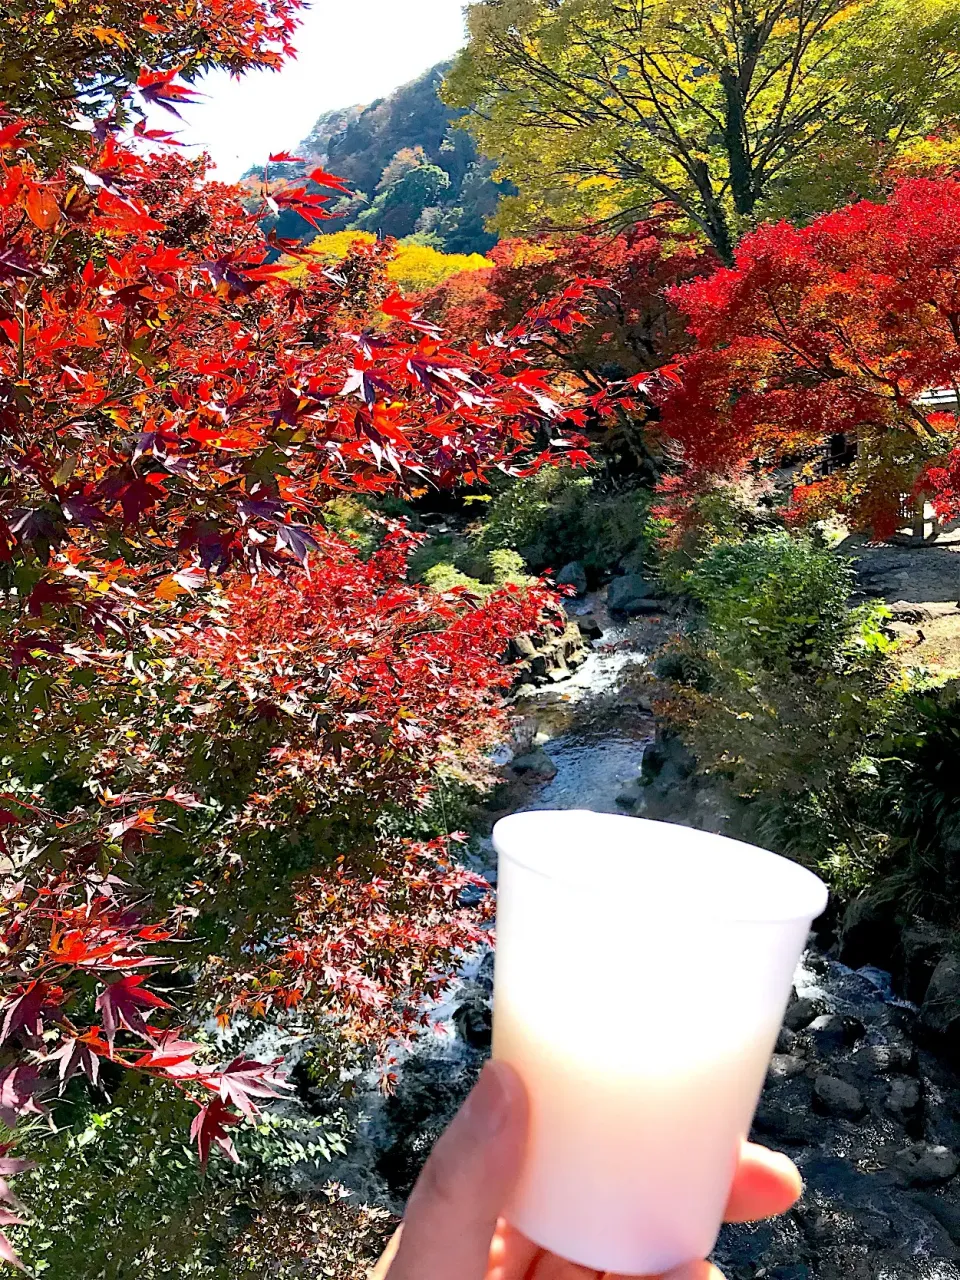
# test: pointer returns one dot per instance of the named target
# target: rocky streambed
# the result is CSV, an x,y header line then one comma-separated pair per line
x,y
855,1093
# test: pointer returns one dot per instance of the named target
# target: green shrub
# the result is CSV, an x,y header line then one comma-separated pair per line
x,y
354,521
558,515
786,692
443,548
495,569
779,602
361,521
724,513
920,794
119,1192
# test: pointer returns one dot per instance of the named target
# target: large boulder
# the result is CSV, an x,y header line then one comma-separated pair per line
x,y
590,628
473,1019
833,1033
801,1012
923,947
630,594
940,1011
523,647
573,575
925,1164
548,656
869,933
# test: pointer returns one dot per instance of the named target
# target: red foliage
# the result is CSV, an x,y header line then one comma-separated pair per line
x,y
81,59
834,327
67,941
596,307
376,687
618,323
184,697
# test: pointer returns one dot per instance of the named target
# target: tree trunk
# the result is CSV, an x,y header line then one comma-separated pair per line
x,y
714,219
742,185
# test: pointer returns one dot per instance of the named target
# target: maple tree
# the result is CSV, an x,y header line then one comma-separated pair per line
x,y
214,706
628,326
596,306
836,327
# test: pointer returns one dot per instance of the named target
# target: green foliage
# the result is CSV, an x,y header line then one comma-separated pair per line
x,y
538,522
785,691
442,548
407,188
353,520
778,603
920,798
560,515
483,575
119,1193
719,513
716,110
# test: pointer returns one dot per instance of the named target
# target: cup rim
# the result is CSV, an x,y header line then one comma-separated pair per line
x,y
808,895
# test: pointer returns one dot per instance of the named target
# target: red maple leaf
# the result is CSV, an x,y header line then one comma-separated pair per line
x,y
329,180
15,263
49,591
140,495
17,1088
243,1080
25,1012
158,87
120,1005
82,1053
210,1126
172,1056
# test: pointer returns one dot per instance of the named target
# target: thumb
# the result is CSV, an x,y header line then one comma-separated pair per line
x,y
452,1213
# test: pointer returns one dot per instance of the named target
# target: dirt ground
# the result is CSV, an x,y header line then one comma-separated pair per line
x,y
920,580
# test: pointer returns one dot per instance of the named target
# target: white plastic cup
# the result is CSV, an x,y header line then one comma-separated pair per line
x,y
642,973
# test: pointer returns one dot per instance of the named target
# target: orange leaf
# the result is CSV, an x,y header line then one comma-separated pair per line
x,y
42,208
169,588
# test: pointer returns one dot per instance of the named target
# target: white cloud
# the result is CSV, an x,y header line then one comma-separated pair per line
x,y
350,51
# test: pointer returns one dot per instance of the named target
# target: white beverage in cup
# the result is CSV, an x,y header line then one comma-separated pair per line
x,y
642,973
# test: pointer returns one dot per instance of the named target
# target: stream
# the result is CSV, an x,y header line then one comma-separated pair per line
x,y
871,1117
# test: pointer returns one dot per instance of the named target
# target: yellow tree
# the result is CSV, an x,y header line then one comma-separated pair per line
x,y
597,109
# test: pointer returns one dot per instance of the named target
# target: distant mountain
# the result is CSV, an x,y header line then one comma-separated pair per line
x,y
413,172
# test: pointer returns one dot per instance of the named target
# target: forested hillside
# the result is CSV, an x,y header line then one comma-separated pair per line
x,y
412,171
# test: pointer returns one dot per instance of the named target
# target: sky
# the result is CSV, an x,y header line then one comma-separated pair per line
x,y
350,51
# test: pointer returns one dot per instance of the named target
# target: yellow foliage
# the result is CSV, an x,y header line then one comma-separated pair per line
x,y
599,112
336,246
412,268
416,267
529,253
928,157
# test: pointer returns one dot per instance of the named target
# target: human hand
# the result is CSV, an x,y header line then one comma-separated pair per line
x,y
453,1230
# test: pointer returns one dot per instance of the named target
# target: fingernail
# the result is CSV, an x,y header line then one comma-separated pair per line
x,y
490,1102
778,1160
